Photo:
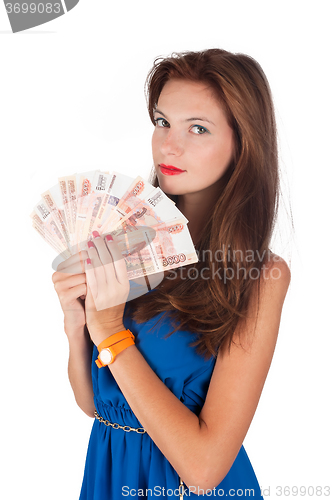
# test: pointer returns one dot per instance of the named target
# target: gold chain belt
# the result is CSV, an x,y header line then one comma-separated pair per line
x,y
125,428
139,430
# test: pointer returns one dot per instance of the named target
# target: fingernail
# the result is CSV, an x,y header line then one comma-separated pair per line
x,y
109,237
88,261
95,234
90,244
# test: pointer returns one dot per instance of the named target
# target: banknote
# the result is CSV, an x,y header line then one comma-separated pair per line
x,y
43,220
134,195
99,186
177,245
117,187
155,209
71,182
85,184
152,249
36,224
65,204
149,250
151,232
62,255
52,199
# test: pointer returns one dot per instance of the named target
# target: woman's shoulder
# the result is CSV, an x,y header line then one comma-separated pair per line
x,y
275,272
265,304
269,296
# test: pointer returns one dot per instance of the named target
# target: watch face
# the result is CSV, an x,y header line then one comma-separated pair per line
x,y
105,356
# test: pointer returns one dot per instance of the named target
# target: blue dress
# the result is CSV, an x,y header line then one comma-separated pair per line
x,y
129,465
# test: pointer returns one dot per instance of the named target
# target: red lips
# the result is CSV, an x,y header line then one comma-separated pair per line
x,y
170,169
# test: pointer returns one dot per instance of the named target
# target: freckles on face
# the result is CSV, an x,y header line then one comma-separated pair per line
x,y
192,134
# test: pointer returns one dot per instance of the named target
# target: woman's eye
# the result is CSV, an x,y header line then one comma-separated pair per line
x,y
199,130
161,122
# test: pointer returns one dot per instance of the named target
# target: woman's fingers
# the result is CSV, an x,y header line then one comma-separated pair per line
x,y
111,258
104,254
96,264
64,280
105,258
74,264
118,262
73,294
107,265
106,273
92,285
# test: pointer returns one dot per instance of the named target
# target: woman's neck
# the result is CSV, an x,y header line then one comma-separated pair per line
x,y
197,212
197,207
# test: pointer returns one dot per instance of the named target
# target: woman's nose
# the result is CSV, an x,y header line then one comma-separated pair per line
x,y
172,144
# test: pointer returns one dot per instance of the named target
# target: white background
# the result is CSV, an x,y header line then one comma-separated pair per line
x,y
72,100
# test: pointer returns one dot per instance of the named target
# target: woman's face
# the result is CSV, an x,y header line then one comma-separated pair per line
x,y
191,134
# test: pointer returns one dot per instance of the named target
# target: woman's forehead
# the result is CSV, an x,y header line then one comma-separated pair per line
x,y
186,97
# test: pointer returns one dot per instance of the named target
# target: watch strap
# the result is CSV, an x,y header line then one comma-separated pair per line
x,y
113,339
115,343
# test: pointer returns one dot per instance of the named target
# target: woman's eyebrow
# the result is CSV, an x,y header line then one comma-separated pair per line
x,y
160,112
193,119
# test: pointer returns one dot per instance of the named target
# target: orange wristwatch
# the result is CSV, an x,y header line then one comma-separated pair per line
x,y
112,346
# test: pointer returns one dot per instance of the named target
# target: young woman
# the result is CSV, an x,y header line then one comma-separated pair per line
x,y
181,394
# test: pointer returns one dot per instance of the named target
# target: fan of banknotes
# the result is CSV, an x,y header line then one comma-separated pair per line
x,y
150,231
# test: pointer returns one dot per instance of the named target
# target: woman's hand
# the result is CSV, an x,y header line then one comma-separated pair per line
x,y
107,288
70,284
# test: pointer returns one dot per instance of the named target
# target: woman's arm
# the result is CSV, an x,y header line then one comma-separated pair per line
x,y
202,449
70,284
79,370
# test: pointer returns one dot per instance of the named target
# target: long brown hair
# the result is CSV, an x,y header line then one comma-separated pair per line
x,y
215,295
